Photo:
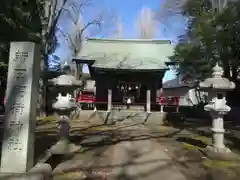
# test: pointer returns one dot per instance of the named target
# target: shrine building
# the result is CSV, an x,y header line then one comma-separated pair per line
x,y
126,71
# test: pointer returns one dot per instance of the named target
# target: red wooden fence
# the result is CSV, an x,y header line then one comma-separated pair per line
x,y
162,100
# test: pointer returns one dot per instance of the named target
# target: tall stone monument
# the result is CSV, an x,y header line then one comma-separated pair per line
x,y
21,103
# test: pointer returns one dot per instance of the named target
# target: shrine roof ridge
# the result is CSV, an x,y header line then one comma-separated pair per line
x,y
151,41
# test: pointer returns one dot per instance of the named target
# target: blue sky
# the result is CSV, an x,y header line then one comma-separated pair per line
x,y
128,10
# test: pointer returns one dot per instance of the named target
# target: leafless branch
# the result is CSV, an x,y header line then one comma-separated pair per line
x,y
118,29
146,24
53,10
102,22
93,22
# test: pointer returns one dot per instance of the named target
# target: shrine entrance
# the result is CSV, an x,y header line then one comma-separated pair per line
x,y
130,92
126,90
128,73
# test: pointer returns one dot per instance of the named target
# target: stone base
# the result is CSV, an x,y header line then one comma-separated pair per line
x,y
219,150
141,117
90,116
39,172
64,147
224,154
156,118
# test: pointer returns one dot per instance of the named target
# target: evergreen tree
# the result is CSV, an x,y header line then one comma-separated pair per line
x,y
211,37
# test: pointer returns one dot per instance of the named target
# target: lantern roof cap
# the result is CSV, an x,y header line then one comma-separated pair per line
x,y
217,82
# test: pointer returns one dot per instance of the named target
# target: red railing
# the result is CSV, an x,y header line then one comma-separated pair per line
x,y
86,99
168,100
162,100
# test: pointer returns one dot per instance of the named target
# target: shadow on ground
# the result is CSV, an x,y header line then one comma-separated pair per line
x,y
97,139
202,127
194,142
95,144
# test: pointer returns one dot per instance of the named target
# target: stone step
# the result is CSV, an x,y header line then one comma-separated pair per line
x,y
124,115
125,108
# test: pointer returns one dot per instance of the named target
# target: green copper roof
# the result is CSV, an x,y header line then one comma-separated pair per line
x,y
127,54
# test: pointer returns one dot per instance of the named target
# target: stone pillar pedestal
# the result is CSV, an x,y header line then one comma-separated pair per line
x,y
109,100
218,133
148,103
177,109
218,108
64,127
63,146
161,108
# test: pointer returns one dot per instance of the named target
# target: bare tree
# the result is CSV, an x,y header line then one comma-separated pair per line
x,y
118,29
146,24
170,11
81,30
52,12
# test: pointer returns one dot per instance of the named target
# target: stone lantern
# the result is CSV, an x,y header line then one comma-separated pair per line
x,y
64,105
217,86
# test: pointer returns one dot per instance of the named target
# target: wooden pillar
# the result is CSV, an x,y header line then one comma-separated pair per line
x,y
94,92
161,100
80,105
109,100
148,105
77,77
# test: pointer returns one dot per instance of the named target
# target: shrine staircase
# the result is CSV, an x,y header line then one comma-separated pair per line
x,y
124,116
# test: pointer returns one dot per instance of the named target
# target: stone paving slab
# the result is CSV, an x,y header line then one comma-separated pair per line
x,y
144,160
136,158
133,159
94,163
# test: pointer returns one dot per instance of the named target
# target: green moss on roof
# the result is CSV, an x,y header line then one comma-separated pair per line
x,y
127,53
